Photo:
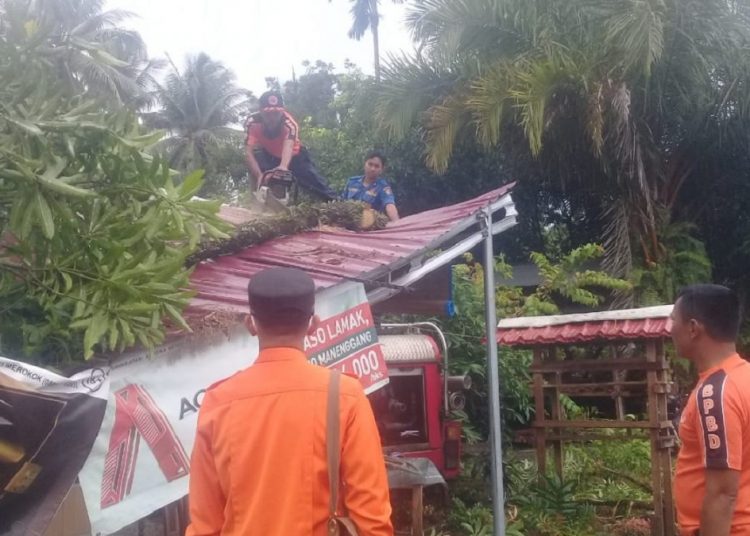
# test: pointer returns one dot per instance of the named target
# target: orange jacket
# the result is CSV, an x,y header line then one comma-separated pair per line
x,y
715,434
257,135
259,460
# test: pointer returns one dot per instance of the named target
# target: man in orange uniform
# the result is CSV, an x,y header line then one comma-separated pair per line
x,y
273,144
259,461
712,482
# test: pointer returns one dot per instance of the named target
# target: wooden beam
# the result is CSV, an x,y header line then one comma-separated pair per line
x,y
603,423
590,365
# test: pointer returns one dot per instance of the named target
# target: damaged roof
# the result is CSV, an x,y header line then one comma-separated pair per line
x,y
387,261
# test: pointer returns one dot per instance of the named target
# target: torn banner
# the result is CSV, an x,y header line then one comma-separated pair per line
x,y
48,424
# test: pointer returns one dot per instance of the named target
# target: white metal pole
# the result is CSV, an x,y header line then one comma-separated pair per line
x,y
493,373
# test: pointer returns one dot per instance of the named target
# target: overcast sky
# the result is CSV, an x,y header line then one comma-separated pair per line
x,y
259,38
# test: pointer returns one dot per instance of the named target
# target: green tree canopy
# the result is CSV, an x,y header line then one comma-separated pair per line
x,y
93,230
622,98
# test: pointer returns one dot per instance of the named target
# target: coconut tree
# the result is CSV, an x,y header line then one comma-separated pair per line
x,y
92,52
366,16
200,108
639,87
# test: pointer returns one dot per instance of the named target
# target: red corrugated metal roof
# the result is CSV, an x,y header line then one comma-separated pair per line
x,y
654,328
647,323
331,255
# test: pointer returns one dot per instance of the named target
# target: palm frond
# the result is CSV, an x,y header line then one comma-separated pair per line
x,y
409,86
488,103
445,121
618,257
627,139
595,117
363,13
101,21
464,27
636,28
535,84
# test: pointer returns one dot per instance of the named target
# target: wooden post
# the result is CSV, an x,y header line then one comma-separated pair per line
x,y
540,434
618,376
172,524
664,450
556,415
656,459
417,509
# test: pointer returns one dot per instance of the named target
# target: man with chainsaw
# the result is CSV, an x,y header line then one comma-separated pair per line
x,y
273,148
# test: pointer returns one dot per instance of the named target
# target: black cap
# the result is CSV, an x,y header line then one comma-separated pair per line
x,y
281,292
271,100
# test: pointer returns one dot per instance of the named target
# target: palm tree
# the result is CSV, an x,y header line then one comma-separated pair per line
x,y
92,52
198,108
637,86
366,16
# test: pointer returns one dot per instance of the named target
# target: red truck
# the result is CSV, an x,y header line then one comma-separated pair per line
x,y
413,410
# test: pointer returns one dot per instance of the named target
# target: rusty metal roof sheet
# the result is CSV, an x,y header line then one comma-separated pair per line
x,y
629,324
334,255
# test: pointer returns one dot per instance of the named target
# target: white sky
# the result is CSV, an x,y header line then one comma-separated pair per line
x,y
259,38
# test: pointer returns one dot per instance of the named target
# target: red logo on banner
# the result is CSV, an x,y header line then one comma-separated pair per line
x,y
136,416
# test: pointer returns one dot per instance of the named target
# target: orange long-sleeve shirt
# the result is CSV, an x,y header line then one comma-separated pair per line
x,y
259,460
715,434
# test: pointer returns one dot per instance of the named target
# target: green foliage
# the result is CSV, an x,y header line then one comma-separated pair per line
x,y
339,147
338,154
570,279
613,470
594,472
468,354
310,97
683,261
473,520
548,507
198,108
566,280
85,46
632,103
95,230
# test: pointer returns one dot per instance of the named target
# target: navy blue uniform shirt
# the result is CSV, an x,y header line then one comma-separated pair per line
x,y
377,195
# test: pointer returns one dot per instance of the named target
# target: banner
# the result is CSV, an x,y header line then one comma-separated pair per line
x,y
140,460
346,338
48,424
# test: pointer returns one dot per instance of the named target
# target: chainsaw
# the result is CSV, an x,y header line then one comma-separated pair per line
x,y
276,189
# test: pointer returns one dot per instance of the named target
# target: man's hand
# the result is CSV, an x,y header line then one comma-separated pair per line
x,y
392,212
719,501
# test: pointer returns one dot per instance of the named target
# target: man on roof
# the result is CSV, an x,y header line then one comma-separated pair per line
x,y
273,144
372,188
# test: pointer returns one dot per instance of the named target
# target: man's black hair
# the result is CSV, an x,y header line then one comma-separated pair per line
x,y
714,306
376,154
283,324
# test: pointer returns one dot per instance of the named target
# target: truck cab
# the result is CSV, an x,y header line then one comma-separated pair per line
x,y
412,411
